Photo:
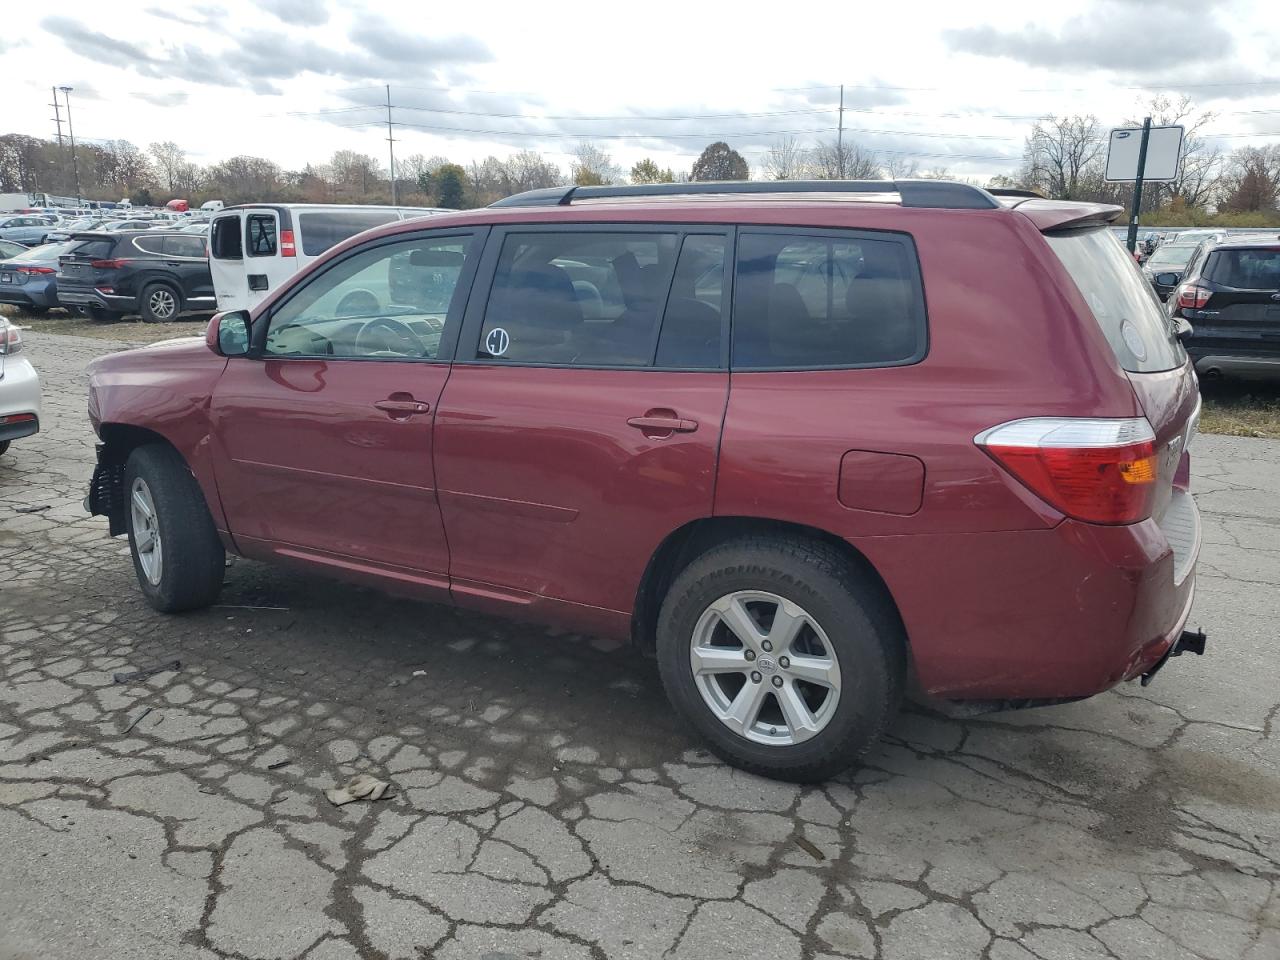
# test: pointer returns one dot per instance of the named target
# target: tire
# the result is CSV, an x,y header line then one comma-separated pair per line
x,y
846,620
160,303
186,572
4,447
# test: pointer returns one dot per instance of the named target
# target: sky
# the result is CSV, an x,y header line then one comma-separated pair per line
x,y
947,85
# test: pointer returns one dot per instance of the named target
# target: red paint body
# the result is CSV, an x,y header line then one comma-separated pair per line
x,y
526,491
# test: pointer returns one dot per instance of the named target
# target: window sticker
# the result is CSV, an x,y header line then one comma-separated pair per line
x,y
497,342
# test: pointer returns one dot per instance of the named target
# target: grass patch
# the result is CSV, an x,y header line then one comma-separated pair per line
x,y
133,330
1235,412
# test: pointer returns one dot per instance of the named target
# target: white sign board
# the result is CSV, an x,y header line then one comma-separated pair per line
x,y
1164,151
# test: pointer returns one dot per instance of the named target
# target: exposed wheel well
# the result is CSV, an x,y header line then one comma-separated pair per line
x,y
106,496
685,544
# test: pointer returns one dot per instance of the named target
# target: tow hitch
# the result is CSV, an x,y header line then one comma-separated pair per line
x,y
1188,642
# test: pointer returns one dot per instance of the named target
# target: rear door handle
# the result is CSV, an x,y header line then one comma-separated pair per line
x,y
402,409
657,424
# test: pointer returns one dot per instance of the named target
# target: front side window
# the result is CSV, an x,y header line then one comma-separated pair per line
x,y
260,234
826,300
578,297
389,301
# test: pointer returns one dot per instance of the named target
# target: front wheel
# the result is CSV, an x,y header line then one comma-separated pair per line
x,y
782,656
177,554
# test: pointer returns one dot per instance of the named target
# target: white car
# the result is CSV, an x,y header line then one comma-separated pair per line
x,y
19,389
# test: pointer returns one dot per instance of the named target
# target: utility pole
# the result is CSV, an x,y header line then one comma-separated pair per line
x,y
840,136
1132,240
57,114
75,164
391,147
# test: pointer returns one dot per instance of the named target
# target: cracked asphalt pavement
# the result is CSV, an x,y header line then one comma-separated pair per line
x,y
545,802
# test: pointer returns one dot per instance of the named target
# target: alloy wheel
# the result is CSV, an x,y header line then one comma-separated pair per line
x,y
146,531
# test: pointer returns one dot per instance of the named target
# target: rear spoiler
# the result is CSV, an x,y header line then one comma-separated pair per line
x,y
1050,215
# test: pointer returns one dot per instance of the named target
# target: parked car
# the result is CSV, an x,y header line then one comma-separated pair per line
x,y
82,225
1229,295
556,420
27,229
1163,269
19,389
10,248
257,247
158,274
29,279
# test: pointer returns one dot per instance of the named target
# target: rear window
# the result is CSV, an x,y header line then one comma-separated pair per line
x,y
322,229
1122,301
49,251
1176,256
1257,269
91,249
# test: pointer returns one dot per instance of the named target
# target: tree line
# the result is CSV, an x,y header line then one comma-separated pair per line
x,y
1063,157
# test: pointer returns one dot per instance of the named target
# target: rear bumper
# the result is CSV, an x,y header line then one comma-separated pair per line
x,y
1050,614
90,297
29,294
1215,364
19,396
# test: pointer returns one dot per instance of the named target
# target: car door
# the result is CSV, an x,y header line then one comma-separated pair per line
x,y
227,262
186,257
325,430
581,422
270,256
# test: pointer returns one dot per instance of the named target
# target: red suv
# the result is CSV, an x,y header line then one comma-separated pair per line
x,y
798,440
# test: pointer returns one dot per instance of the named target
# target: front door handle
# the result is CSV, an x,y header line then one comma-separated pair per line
x,y
658,424
398,409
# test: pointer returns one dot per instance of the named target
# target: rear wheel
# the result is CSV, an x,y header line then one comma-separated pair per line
x,y
160,303
781,656
4,447
177,554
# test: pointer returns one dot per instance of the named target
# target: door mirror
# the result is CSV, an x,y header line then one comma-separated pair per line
x,y
228,333
1168,279
1182,330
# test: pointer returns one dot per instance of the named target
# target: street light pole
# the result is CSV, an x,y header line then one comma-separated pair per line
x,y
75,164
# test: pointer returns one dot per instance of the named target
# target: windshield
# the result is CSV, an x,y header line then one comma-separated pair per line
x,y
1173,256
1122,301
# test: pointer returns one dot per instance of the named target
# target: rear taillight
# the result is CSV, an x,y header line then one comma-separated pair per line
x,y
107,264
287,247
34,271
10,339
1101,471
1192,297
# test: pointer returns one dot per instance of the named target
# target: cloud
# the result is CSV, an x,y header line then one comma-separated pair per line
x,y
386,41
205,17
174,98
307,13
1116,36
83,40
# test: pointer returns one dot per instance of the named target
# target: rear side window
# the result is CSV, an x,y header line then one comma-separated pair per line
x,y
260,234
179,246
224,239
579,297
1257,269
322,229
826,299
1121,300
151,245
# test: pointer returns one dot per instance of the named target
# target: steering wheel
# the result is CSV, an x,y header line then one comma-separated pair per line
x,y
393,337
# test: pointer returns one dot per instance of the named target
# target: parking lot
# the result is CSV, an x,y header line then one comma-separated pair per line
x,y
546,803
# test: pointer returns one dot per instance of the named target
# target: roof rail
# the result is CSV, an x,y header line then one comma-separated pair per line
x,y
941,194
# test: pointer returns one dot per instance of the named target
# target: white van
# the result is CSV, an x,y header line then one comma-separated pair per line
x,y
254,248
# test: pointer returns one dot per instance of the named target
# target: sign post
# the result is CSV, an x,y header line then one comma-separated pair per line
x,y
1132,241
1139,156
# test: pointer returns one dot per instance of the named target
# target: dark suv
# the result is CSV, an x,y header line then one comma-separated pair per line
x,y
794,439
1230,296
158,274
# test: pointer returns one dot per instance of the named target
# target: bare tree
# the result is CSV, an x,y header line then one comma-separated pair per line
x,y
1202,163
527,170
898,167
170,159
593,166
1252,181
1059,152
848,161
786,160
